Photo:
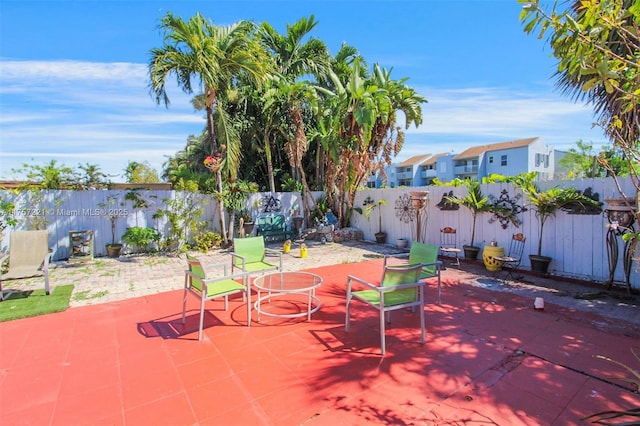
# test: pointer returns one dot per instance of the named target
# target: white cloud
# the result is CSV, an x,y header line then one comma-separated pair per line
x,y
74,71
457,119
102,113
99,113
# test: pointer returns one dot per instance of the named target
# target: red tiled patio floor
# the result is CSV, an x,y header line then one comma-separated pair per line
x,y
489,359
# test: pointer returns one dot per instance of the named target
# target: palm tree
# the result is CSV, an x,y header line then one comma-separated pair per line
x,y
293,58
209,57
547,203
360,124
476,202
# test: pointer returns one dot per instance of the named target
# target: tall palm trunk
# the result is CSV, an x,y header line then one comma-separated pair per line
x,y
296,151
211,94
269,157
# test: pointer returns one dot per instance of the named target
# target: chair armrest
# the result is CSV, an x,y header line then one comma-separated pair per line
x,y
274,252
207,281
234,261
212,265
439,264
361,281
227,277
387,288
48,258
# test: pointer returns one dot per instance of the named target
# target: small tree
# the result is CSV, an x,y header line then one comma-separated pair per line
x,y
547,203
370,207
475,201
110,209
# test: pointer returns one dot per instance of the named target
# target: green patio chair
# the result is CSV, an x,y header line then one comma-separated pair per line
x,y
197,284
400,287
29,256
427,255
249,255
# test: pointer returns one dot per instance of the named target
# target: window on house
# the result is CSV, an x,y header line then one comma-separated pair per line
x,y
491,160
503,160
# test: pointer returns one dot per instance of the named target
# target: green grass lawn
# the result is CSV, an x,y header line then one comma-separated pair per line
x,y
31,303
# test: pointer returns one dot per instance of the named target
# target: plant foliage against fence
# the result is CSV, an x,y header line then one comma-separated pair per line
x,y
576,242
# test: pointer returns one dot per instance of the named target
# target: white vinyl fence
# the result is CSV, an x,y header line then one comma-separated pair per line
x,y
575,242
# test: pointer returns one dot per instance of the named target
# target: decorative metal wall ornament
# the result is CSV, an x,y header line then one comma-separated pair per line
x,y
579,208
506,209
446,204
404,209
270,204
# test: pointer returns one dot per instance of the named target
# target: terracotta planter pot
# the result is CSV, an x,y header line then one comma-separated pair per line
x,y
113,250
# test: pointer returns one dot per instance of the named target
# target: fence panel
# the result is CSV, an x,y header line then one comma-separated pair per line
x,y
575,242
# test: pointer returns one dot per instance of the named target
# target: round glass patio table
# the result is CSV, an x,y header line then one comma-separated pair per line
x,y
287,287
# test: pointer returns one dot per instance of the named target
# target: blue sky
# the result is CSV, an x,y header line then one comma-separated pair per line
x,y
73,75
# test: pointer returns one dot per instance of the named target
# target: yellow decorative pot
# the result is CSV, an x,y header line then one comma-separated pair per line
x,y
488,256
303,250
287,246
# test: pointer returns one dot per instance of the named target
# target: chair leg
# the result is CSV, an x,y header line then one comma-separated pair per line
x,y
247,295
202,300
184,298
422,324
382,340
347,324
46,283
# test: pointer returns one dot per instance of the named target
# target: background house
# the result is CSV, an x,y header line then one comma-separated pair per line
x,y
509,158
506,158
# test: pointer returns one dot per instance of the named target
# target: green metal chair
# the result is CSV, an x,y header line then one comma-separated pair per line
x,y
197,284
400,287
427,255
249,255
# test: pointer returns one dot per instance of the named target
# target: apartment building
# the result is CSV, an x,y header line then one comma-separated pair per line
x,y
504,158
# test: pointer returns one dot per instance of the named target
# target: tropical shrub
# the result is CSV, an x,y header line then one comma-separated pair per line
x,y
140,237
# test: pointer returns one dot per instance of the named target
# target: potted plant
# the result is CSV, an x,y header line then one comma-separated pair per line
x,y
234,197
546,204
477,203
402,243
113,213
246,221
370,206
